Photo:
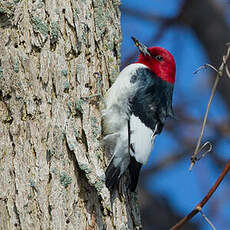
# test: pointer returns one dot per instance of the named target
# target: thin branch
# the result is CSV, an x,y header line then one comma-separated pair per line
x,y
193,158
207,143
205,66
205,199
225,62
207,220
219,75
227,71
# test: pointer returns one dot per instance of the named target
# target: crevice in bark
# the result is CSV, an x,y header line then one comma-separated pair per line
x,y
17,216
71,54
35,49
5,20
54,92
12,142
3,202
4,98
84,140
64,34
33,150
9,118
48,157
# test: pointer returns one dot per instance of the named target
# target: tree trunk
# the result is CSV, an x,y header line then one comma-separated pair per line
x,y
56,56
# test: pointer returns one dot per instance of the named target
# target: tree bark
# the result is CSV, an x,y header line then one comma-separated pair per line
x,y
55,58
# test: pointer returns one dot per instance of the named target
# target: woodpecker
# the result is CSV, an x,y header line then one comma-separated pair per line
x,y
136,108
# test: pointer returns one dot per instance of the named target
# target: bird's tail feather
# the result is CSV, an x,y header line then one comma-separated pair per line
x,y
134,171
112,175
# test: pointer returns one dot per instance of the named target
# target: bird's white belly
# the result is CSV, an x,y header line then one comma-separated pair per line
x,y
142,140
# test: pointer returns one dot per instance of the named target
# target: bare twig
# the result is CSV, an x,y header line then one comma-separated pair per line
x,y
219,75
225,61
227,71
207,143
205,66
207,220
205,199
193,158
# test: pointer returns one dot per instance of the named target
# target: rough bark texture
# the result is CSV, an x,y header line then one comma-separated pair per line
x,y
54,56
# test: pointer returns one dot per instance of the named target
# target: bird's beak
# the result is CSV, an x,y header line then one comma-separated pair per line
x,y
142,48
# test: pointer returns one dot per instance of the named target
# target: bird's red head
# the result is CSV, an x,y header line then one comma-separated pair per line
x,y
161,62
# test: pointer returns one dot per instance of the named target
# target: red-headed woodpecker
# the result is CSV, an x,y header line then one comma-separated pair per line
x,y
136,107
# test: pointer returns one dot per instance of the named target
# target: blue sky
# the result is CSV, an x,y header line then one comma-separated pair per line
x,y
183,188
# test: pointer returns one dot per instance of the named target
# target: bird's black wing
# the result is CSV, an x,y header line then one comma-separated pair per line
x,y
152,104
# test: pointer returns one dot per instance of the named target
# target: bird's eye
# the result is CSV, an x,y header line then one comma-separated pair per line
x,y
159,57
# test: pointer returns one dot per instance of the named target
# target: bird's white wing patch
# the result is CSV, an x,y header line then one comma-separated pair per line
x,y
142,140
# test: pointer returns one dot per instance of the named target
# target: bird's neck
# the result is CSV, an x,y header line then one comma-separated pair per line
x,y
164,73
